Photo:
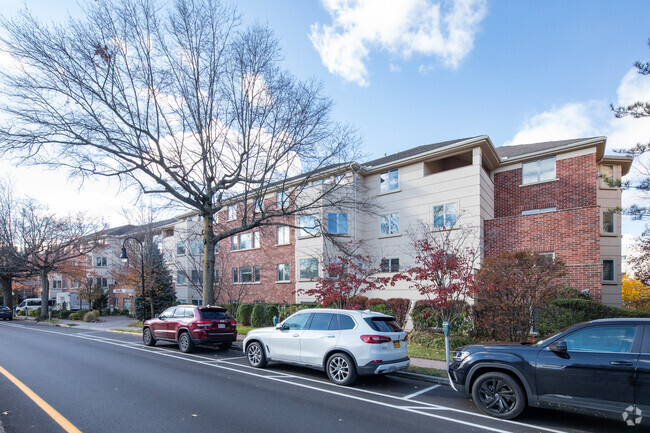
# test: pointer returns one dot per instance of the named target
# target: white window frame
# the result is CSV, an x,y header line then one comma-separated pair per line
x,y
311,230
603,182
538,211
388,219
535,166
181,278
101,261
285,271
231,212
282,199
196,247
235,241
339,217
180,245
385,181
283,234
300,275
390,263
444,215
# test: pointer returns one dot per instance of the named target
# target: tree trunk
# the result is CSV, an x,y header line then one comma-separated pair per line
x,y
208,259
5,284
45,294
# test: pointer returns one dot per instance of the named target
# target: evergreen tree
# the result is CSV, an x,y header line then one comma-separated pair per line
x,y
158,284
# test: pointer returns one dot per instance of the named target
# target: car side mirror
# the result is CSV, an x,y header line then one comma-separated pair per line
x,y
279,326
559,346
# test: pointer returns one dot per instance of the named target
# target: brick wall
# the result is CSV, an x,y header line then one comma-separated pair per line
x,y
576,187
571,234
268,256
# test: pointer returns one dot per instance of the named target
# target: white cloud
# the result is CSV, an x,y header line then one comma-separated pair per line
x,y
569,121
445,29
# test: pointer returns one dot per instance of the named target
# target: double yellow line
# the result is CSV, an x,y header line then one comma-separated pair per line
x,y
56,416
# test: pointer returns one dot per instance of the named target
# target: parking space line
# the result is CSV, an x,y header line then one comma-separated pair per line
x,y
242,369
53,413
415,394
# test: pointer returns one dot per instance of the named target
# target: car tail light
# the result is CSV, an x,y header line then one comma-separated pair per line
x,y
233,322
203,323
375,339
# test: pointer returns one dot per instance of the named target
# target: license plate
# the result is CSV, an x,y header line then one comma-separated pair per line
x,y
396,344
221,325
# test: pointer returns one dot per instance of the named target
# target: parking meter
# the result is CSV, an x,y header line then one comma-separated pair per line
x,y
445,328
445,331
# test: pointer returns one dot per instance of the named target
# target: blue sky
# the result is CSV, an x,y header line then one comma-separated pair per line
x,y
413,72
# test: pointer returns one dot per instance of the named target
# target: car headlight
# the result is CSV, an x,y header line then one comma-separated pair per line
x,y
459,355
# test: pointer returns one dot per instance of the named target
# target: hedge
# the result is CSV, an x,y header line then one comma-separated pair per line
x,y
258,315
244,314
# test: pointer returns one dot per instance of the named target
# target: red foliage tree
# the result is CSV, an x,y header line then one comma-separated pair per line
x,y
445,276
347,279
511,286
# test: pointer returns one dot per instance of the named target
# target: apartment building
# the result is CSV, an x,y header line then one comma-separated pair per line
x,y
548,197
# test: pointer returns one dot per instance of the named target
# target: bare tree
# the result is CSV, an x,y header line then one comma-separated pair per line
x,y
41,242
177,100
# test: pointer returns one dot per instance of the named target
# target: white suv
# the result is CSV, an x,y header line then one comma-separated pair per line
x,y
344,343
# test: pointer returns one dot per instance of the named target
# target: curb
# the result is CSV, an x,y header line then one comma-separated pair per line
x,y
423,377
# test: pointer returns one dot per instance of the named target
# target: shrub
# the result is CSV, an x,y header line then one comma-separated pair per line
x,y
427,316
434,340
35,312
244,314
232,308
399,308
271,311
257,316
91,316
358,303
125,312
56,313
64,314
370,303
562,313
96,312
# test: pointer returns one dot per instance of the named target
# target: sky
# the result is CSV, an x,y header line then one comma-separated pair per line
x,y
412,72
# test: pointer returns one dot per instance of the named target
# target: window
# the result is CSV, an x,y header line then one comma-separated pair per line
x,y
445,215
57,284
308,269
283,235
308,225
617,339
180,248
181,278
321,321
346,322
389,224
337,223
538,171
537,211
196,247
197,277
283,272
101,282
297,322
282,199
548,256
608,222
232,212
245,241
389,181
258,206
101,262
246,274
606,175
608,270
390,265
317,182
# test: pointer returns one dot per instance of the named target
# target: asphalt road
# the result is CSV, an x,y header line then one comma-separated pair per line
x,y
103,382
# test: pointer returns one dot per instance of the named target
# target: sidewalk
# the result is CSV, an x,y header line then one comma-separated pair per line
x,y
429,363
105,322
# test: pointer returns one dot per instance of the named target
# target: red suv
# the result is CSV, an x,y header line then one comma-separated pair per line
x,y
189,325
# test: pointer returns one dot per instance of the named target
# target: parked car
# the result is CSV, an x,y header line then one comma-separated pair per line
x,y
6,313
189,325
33,303
343,343
600,368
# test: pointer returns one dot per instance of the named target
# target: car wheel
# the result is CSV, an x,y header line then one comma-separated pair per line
x,y
185,343
498,395
255,355
147,337
341,370
227,345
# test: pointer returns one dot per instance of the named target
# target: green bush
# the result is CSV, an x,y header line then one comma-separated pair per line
x,y
35,312
64,314
244,314
125,312
56,313
91,316
232,308
562,313
380,308
257,316
271,311
434,340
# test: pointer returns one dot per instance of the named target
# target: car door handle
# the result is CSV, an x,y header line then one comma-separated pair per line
x,y
331,336
624,363
296,335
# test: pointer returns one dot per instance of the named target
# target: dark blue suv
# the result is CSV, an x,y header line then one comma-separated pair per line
x,y
600,368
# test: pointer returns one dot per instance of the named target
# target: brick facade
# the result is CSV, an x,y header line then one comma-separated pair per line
x,y
571,232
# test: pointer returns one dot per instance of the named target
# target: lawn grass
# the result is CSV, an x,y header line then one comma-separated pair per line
x,y
137,324
419,351
243,330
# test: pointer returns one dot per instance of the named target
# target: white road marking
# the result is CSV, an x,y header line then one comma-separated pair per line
x,y
415,394
281,378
